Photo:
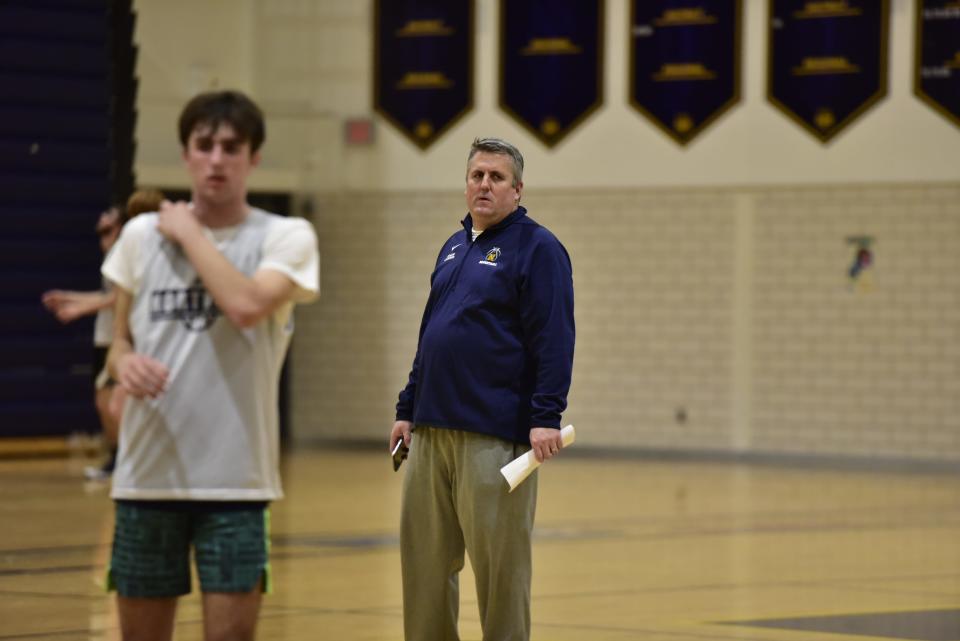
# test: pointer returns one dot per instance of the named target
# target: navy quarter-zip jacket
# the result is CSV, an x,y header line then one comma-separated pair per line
x,y
495,354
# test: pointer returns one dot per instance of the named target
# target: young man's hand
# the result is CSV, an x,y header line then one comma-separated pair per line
x,y
176,221
142,376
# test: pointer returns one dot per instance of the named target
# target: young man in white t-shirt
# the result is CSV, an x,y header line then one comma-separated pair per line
x,y
205,296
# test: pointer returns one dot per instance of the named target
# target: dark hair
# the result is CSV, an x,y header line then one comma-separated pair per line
x,y
232,107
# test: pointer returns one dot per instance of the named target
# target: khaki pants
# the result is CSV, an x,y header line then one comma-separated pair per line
x,y
454,498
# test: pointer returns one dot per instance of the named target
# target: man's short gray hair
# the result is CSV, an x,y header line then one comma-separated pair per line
x,y
502,147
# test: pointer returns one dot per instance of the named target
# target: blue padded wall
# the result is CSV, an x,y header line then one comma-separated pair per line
x,y
67,94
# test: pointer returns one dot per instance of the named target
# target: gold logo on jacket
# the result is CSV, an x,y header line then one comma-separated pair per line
x,y
491,257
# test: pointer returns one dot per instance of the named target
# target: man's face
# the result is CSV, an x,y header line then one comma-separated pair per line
x,y
491,195
218,163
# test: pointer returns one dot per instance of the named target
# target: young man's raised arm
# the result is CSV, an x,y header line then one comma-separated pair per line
x,y
244,300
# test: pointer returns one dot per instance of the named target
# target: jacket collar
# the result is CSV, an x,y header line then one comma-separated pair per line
x,y
511,218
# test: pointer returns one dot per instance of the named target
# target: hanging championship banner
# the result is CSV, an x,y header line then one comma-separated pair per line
x,y
684,62
551,63
827,60
423,65
937,66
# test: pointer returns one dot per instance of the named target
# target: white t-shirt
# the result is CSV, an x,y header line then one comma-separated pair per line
x,y
213,434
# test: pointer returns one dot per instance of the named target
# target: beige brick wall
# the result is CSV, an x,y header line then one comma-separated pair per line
x,y
731,307
652,275
352,350
846,370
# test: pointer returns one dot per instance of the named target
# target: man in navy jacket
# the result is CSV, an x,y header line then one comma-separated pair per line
x,y
489,382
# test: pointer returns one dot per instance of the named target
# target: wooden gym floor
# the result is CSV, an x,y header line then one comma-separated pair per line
x,y
626,548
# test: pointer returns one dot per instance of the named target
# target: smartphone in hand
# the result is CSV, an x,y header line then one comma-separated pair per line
x,y
399,454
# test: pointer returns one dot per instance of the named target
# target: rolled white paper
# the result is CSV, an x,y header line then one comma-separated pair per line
x,y
520,468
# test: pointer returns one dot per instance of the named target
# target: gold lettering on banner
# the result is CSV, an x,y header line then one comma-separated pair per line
x,y
424,80
826,65
550,47
683,71
688,16
827,9
422,28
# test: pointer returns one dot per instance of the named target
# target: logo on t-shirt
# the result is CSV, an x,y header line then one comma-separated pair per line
x,y
491,257
192,306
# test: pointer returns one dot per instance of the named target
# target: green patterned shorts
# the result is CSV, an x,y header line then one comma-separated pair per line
x,y
152,543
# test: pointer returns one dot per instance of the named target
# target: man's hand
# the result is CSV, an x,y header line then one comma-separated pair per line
x,y
142,376
71,310
176,221
63,304
401,429
546,442
54,298
68,306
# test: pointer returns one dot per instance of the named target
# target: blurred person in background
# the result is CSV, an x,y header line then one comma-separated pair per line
x,y
68,306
